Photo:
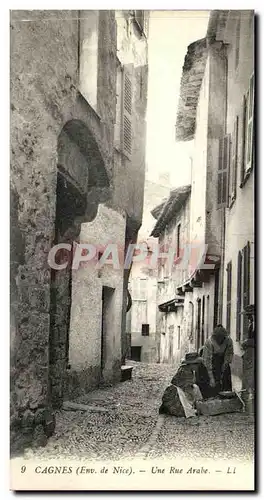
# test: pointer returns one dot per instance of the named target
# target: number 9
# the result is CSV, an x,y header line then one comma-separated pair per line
x,y
23,469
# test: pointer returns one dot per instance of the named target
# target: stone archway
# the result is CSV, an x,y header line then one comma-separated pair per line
x,y
82,183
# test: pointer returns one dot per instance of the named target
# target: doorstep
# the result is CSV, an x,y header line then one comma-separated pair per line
x,y
126,373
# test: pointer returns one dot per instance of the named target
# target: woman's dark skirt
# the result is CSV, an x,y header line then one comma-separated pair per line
x,y
222,382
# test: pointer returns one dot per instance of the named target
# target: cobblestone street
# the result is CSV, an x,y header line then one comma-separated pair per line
x,y
124,422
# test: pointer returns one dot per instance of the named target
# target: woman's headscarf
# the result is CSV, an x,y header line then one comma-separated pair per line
x,y
219,332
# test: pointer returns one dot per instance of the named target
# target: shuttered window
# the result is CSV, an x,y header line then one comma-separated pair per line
x,y
233,170
127,112
246,284
239,291
228,296
223,169
237,42
248,131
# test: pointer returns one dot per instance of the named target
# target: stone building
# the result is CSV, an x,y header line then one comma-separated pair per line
x,y
78,103
141,319
172,229
234,30
216,112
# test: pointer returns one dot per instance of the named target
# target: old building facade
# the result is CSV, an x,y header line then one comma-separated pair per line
x,y
216,112
141,319
238,257
78,103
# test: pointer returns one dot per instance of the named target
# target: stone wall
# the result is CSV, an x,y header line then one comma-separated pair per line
x,y
44,99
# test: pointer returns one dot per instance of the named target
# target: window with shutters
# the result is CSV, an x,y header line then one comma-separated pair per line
x,y
239,292
246,284
140,289
228,296
248,132
118,122
223,169
233,163
237,42
127,112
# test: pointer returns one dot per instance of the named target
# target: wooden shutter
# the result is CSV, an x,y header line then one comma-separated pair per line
x,y
250,109
233,179
246,284
244,114
223,169
237,44
239,290
127,112
248,130
228,296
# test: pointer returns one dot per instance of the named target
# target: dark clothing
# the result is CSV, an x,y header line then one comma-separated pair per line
x,y
223,381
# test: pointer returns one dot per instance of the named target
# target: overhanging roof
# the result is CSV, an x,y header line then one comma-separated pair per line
x,y
169,208
171,305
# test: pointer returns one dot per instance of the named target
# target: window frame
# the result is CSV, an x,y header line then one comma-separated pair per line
x,y
239,295
146,332
223,171
229,296
237,41
234,162
127,111
245,284
248,122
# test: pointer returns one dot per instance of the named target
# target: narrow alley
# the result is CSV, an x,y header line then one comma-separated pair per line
x,y
123,422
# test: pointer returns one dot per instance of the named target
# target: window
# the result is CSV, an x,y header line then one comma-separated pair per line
x,y
88,55
127,106
228,296
246,283
233,178
191,321
248,131
178,337
237,42
118,122
239,288
140,289
223,169
178,240
145,330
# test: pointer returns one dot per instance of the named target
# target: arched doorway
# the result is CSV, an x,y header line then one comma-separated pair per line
x,y
82,183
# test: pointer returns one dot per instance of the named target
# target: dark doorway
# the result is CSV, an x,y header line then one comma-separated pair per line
x,y
198,324
216,293
203,322
69,205
136,353
107,323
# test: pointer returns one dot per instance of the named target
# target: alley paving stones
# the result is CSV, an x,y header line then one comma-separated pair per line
x,y
129,422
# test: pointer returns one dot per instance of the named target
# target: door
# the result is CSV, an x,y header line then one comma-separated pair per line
x,y
198,325
107,325
203,322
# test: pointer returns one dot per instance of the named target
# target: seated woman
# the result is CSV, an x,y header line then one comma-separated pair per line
x,y
180,397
